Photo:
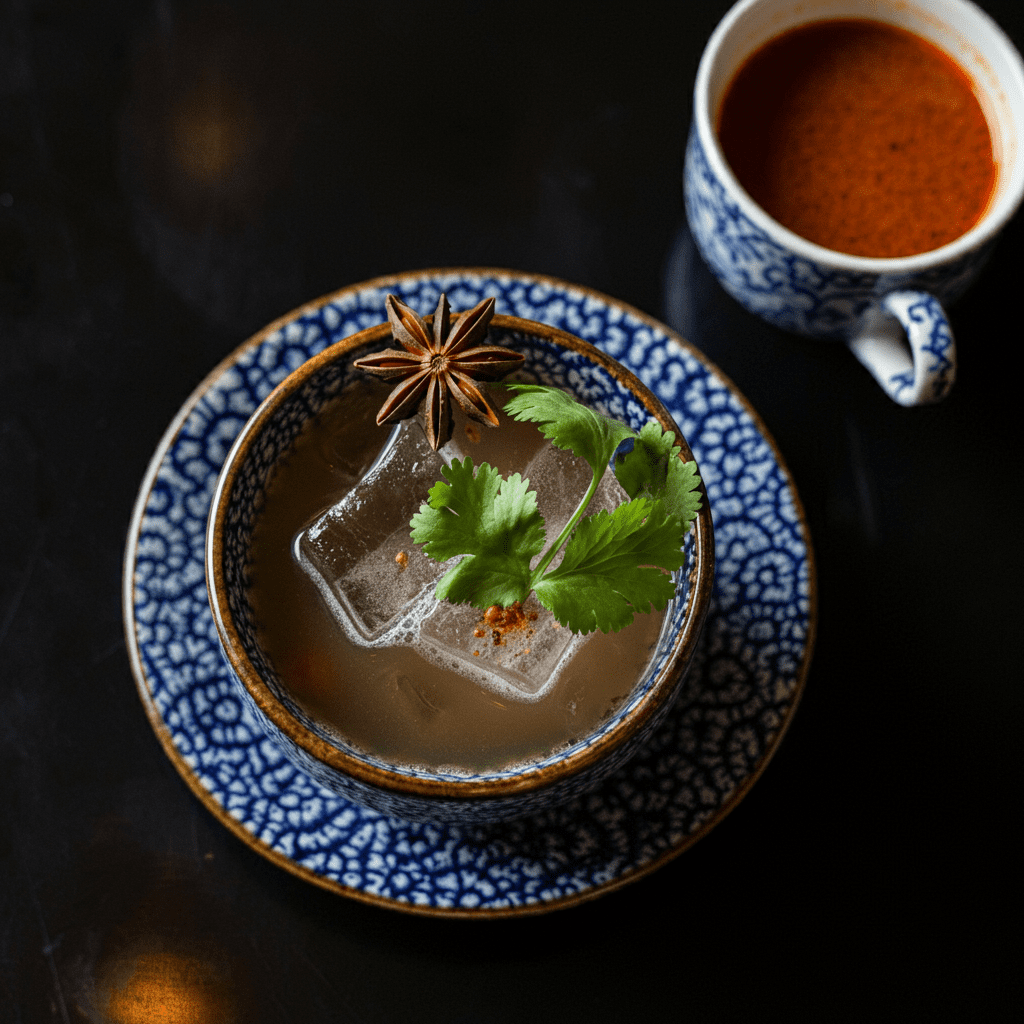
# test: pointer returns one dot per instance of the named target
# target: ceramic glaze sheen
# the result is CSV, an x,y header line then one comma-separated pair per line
x,y
861,137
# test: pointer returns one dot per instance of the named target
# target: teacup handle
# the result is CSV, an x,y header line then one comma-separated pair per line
x,y
926,372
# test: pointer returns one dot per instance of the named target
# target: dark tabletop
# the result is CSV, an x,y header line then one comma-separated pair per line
x,y
172,177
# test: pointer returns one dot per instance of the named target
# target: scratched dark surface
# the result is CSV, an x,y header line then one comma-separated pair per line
x,y
866,876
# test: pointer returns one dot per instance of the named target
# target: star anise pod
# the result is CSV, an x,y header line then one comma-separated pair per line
x,y
438,363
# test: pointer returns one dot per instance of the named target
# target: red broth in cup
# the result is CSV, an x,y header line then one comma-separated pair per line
x,y
861,137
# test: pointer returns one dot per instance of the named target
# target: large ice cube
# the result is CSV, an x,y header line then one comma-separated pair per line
x,y
379,585
521,662
561,480
359,553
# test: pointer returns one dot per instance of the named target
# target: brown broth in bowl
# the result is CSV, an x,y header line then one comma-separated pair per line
x,y
861,137
392,701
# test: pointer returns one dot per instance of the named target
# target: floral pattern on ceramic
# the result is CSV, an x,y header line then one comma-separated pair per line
x,y
814,299
736,703
545,363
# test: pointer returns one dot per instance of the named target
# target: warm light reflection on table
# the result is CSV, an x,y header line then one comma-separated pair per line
x,y
164,988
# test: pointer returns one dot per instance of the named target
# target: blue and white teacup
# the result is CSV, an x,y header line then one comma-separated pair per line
x,y
877,306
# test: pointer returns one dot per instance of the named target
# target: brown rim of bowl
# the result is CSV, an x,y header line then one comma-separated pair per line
x,y
698,600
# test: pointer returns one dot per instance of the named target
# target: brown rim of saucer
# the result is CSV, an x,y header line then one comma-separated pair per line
x,y
677,846
407,784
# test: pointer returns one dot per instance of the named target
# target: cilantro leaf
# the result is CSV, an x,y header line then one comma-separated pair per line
x,y
610,570
681,497
643,467
652,468
485,579
493,521
567,424
614,565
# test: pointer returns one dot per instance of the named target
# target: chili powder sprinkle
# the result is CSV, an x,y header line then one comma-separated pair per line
x,y
502,621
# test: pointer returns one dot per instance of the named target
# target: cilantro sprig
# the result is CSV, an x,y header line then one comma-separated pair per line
x,y
615,564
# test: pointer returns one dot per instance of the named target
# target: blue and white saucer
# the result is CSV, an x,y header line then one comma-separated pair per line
x,y
740,696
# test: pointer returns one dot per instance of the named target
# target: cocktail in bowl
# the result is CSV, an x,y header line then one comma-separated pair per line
x,y
455,599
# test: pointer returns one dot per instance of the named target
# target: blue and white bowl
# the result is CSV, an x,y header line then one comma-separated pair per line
x,y
551,357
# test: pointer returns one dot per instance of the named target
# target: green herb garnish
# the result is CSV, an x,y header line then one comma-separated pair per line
x,y
615,565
